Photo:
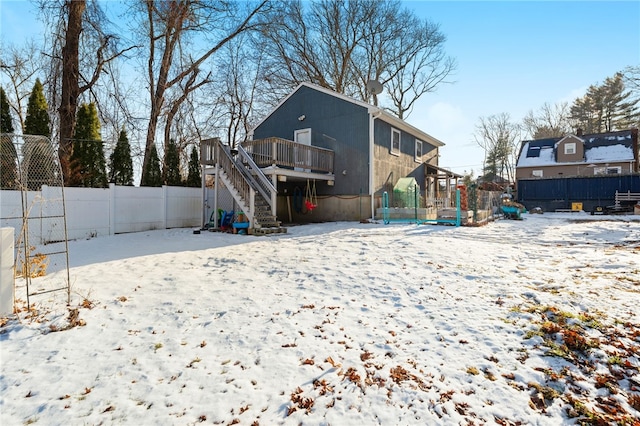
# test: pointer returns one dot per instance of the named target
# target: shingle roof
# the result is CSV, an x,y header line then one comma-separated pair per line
x,y
598,148
374,110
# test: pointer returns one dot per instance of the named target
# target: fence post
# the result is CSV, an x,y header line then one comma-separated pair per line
x,y
458,215
164,206
112,208
41,207
7,261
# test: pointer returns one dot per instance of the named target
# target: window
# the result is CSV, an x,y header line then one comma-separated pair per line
x,y
570,148
395,142
418,157
616,170
536,173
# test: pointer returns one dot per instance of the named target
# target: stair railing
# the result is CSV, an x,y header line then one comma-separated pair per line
x,y
234,173
246,177
262,183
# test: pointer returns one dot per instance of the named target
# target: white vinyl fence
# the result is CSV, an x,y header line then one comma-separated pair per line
x,y
97,212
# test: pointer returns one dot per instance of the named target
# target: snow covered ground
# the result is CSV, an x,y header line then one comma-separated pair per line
x,y
517,322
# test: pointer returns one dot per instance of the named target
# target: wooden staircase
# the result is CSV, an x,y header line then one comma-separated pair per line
x,y
250,188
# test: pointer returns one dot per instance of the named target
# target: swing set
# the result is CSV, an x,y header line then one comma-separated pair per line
x,y
310,201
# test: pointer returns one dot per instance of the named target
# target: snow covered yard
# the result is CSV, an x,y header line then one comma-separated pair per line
x,y
517,322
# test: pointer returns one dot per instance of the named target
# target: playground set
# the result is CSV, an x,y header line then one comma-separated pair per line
x,y
408,208
228,221
386,213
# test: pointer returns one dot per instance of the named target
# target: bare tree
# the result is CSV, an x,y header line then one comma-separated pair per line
x,y
242,89
169,24
341,45
301,49
420,65
80,50
21,65
498,137
631,76
549,121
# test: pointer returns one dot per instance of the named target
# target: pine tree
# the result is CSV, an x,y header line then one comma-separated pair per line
x,y
584,112
6,122
88,165
39,158
620,112
194,178
606,107
37,120
490,170
172,175
9,178
120,163
8,155
152,175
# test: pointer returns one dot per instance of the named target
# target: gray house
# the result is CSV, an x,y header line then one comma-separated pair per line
x,y
323,156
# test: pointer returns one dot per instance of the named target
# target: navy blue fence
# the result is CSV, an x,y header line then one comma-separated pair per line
x,y
561,193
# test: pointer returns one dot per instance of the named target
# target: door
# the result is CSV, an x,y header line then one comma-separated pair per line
x,y
302,157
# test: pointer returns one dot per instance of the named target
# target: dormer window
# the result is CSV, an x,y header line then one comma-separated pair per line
x,y
569,148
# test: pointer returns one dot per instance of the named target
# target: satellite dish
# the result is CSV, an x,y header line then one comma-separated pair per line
x,y
374,87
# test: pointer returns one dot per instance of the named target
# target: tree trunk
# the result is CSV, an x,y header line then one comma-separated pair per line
x,y
70,84
172,33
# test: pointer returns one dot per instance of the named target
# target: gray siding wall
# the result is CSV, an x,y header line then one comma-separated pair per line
x,y
391,167
335,124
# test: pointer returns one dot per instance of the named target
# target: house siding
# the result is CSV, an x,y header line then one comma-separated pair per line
x,y
389,167
567,170
343,126
335,124
577,157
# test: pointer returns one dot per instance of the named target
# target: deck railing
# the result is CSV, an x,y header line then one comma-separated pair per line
x,y
626,196
285,153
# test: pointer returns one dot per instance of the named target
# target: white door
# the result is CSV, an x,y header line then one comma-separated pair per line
x,y
302,136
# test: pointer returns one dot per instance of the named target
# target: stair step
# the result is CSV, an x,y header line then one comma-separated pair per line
x,y
268,231
263,219
267,223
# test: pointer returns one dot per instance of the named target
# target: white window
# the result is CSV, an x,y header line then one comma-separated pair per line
x,y
395,142
418,157
569,148
616,170
536,173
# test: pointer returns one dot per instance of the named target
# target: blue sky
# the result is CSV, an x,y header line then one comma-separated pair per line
x,y
513,56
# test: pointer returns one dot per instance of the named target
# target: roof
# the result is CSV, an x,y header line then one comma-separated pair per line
x,y
441,171
405,183
611,147
371,109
